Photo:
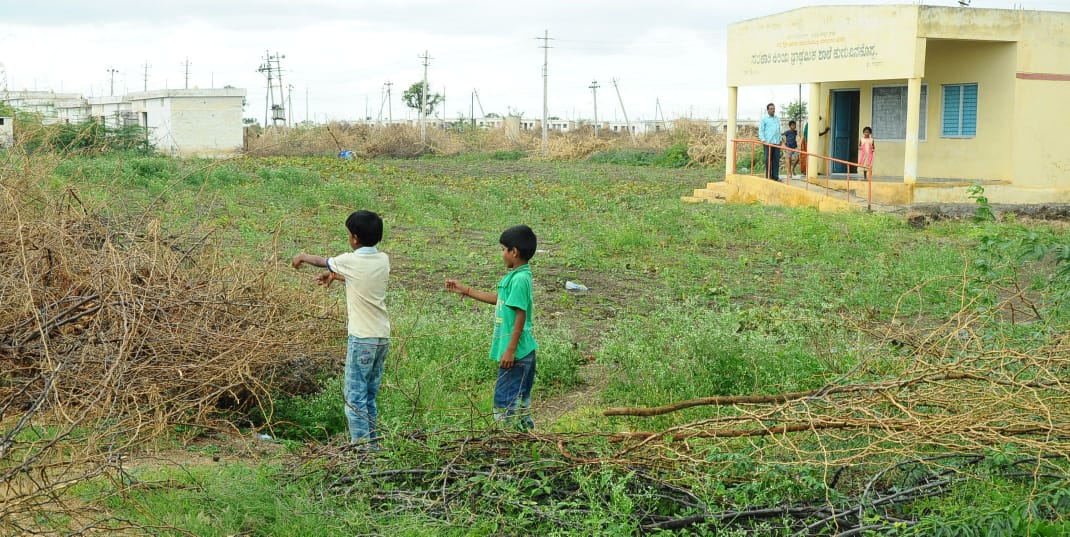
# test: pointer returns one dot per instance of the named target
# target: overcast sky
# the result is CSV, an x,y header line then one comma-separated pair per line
x,y
341,53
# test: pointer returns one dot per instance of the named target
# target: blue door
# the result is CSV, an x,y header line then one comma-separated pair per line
x,y
844,128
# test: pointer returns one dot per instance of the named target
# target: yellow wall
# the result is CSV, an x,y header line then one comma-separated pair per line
x,y
987,155
824,43
1041,155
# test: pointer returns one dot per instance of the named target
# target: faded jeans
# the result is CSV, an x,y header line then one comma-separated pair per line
x,y
364,372
512,393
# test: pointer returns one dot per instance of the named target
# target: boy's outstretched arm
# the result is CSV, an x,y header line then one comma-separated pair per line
x,y
326,277
314,260
455,286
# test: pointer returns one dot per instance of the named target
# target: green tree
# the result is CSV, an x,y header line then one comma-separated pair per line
x,y
413,94
794,110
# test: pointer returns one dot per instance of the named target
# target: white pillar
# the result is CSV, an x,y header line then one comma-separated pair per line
x,y
910,157
730,133
813,112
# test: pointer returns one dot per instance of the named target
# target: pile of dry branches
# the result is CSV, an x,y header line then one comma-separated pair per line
x,y
113,331
958,387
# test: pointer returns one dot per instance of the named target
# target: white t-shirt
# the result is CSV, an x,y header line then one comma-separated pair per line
x,y
367,272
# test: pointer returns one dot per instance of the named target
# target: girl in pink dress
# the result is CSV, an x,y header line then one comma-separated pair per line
x,y
866,148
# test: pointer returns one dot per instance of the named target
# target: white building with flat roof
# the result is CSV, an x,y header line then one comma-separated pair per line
x,y
191,122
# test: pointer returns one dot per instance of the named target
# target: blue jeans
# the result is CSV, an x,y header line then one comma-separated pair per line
x,y
512,393
364,372
772,162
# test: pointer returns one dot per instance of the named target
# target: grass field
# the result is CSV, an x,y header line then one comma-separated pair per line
x,y
685,301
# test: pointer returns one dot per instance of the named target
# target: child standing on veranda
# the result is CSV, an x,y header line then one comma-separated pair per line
x,y
365,272
513,345
791,140
866,150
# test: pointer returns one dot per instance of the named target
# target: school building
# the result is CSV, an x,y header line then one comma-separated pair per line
x,y
954,95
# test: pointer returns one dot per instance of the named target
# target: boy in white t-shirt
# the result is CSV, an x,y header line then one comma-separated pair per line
x,y
365,272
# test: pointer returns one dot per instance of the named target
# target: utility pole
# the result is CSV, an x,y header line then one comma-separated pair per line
x,y
423,100
186,64
472,107
389,105
545,84
382,103
111,75
290,104
798,107
272,69
627,123
658,112
594,92
146,68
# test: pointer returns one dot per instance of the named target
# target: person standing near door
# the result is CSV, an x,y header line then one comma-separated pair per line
x,y
804,145
866,149
769,132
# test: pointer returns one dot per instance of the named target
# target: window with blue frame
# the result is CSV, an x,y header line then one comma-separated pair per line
x,y
960,111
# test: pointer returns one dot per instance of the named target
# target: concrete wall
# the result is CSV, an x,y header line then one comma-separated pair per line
x,y
206,123
7,132
109,110
41,102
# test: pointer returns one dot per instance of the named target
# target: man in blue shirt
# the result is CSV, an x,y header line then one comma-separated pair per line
x,y
769,132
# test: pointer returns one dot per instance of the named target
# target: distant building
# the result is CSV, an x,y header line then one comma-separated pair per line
x,y
180,122
51,106
113,111
191,122
7,132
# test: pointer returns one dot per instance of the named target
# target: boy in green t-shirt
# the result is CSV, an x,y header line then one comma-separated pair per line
x,y
513,345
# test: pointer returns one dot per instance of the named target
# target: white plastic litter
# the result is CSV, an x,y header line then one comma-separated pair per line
x,y
573,286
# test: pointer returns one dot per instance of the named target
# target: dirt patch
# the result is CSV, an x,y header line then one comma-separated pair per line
x,y
594,378
206,450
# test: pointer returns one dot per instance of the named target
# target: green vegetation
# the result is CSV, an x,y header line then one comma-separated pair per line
x,y
685,301
674,156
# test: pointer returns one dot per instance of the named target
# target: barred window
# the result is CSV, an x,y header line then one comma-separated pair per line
x,y
890,112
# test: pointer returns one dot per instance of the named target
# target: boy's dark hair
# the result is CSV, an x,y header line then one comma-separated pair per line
x,y
791,123
367,226
522,238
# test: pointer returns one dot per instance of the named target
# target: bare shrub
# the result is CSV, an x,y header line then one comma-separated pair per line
x,y
113,331
706,146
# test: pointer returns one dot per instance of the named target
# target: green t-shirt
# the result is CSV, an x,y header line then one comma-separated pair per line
x,y
514,291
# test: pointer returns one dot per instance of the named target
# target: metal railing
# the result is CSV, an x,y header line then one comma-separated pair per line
x,y
866,171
